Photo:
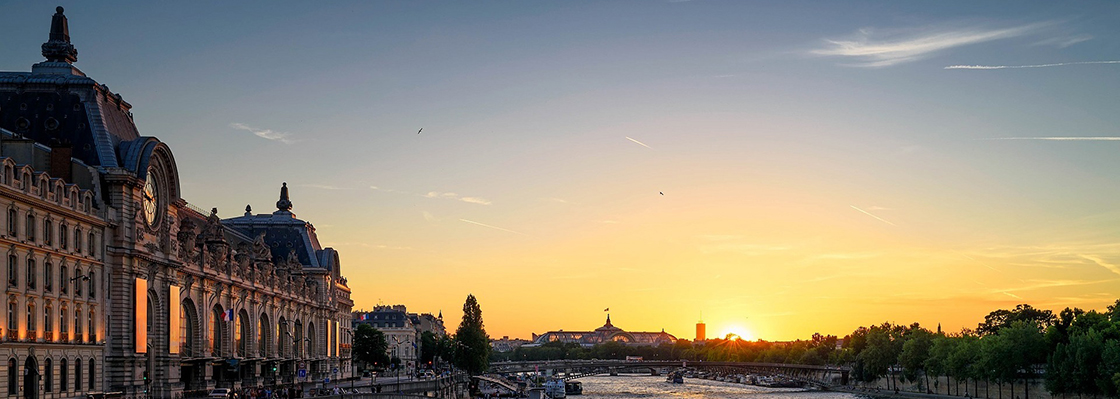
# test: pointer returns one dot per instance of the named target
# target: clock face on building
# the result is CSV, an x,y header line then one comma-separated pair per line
x,y
151,200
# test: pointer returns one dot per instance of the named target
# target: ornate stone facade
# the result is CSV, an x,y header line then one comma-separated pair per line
x,y
177,298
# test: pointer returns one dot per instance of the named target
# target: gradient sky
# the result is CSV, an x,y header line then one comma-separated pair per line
x,y
821,166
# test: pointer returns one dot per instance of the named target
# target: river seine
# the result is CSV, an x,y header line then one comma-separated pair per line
x,y
629,387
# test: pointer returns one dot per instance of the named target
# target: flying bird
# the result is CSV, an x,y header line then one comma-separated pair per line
x,y
418,131
661,193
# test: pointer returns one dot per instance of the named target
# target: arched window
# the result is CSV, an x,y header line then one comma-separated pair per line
x,y
48,375
77,374
298,339
63,376
63,279
30,226
48,231
264,336
13,280
92,327
48,322
92,374
92,286
239,335
48,276
63,233
13,316
77,281
216,331
78,323
13,375
90,243
32,329
77,239
31,272
12,224
63,324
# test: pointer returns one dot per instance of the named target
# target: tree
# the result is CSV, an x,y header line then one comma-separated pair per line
x,y
471,344
915,352
370,347
429,347
1002,318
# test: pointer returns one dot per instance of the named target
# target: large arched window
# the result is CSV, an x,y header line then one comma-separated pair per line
x,y
188,328
92,374
283,337
78,374
312,349
242,334
13,377
298,339
63,376
216,331
48,375
264,336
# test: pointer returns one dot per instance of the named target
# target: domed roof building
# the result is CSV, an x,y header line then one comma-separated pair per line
x,y
607,333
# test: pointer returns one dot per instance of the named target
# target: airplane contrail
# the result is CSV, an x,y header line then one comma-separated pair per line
x,y
640,143
1059,138
492,227
869,214
991,67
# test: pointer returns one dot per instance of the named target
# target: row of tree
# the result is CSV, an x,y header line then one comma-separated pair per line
x,y
468,349
1078,352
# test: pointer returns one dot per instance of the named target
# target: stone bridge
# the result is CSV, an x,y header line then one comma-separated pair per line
x,y
820,376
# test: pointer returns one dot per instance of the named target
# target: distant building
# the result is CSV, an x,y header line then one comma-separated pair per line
x,y
700,331
508,345
402,329
607,333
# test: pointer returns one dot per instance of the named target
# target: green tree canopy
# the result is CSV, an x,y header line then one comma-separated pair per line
x,y
370,347
471,344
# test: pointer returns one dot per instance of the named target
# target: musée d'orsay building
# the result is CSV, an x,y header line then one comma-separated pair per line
x,y
114,283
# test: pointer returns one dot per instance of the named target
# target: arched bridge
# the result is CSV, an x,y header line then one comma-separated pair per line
x,y
820,376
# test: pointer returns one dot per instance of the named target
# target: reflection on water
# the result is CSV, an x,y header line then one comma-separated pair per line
x,y
655,387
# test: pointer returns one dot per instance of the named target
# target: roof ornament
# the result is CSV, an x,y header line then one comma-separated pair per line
x,y
248,210
58,47
284,204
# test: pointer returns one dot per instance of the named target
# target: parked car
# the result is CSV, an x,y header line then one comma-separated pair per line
x,y
219,393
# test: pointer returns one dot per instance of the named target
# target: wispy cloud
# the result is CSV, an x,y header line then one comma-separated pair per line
x,y
640,143
325,187
1102,263
873,52
429,216
608,221
869,214
1064,41
454,196
1059,138
492,227
264,133
1056,64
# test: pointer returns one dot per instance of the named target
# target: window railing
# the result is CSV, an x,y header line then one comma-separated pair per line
x,y
13,334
